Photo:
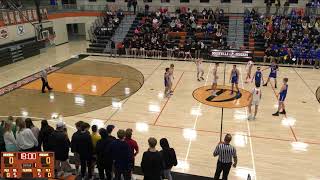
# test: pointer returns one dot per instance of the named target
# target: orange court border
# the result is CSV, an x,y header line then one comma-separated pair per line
x,y
76,84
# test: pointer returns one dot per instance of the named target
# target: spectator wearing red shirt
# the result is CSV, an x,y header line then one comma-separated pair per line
x,y
132,144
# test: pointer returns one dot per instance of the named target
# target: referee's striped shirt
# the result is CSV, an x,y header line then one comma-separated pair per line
x,y
225,152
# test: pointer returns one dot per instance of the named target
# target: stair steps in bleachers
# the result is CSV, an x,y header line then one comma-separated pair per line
x,y
236,32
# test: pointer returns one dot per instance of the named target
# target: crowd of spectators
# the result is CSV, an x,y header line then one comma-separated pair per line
x,y
292,38
110,23
113,157
178,34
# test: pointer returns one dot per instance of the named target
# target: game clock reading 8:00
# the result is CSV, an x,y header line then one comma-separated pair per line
x,y
27,164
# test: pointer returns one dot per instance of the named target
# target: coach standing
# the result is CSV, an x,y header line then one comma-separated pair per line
x,y
44,79
226,152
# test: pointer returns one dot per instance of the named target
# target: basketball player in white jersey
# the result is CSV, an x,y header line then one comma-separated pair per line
x,y
200,71
254,98
171,69
248,70
215,79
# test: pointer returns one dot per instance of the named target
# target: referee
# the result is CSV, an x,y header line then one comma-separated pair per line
x,y
44,79
226,152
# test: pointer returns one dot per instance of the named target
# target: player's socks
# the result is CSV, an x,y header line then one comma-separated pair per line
x,y
276,114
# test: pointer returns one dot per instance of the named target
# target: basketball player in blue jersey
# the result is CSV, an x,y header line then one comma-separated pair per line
x,y
258,78
273,73
234,78
282,97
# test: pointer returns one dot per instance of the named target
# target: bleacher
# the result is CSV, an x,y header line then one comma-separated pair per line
x,y
19,50
99,39
178,38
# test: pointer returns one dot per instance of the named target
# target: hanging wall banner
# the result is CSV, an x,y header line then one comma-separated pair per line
x,y
45,13
30,18
34,13
11,17
5,17
17,15
25,16
20,30
3,33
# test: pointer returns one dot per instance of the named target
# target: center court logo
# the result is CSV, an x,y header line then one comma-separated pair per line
x,y
224,99
224,95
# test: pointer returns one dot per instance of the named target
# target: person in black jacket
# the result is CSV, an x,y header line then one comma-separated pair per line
x,y
59,143
73,145
122,157
169,158
45,132
83,145
104,160
152,163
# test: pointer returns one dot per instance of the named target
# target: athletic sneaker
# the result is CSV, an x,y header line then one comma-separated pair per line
x,y
276,114
199,79
202,78
283,112
265,85
250,117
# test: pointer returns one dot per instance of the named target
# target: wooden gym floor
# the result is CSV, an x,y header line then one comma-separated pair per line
x,y
269,148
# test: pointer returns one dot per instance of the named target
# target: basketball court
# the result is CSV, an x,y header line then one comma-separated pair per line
x,y
128,93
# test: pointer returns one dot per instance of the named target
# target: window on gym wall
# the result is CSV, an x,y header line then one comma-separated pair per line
x,y
148,1
111,0
246,1
204,1
165,1
184,1
225,1
92,0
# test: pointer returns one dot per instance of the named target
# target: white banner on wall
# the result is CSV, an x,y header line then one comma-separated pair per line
x,y
11,17
18,19
21,30
3,33
5,18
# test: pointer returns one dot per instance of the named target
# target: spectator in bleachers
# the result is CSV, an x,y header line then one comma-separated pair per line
x,y
2,143
8,137
83,146
152,162
59,143
104,162
45,132
129,4
122,157
35,130
113,50
26,140
74,141
134,4
286,7
95,137
132,144
169,158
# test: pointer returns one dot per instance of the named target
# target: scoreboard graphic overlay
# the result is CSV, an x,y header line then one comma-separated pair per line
x,y
27,164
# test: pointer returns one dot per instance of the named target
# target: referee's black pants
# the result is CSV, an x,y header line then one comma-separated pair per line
x,y
44,85
222,167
